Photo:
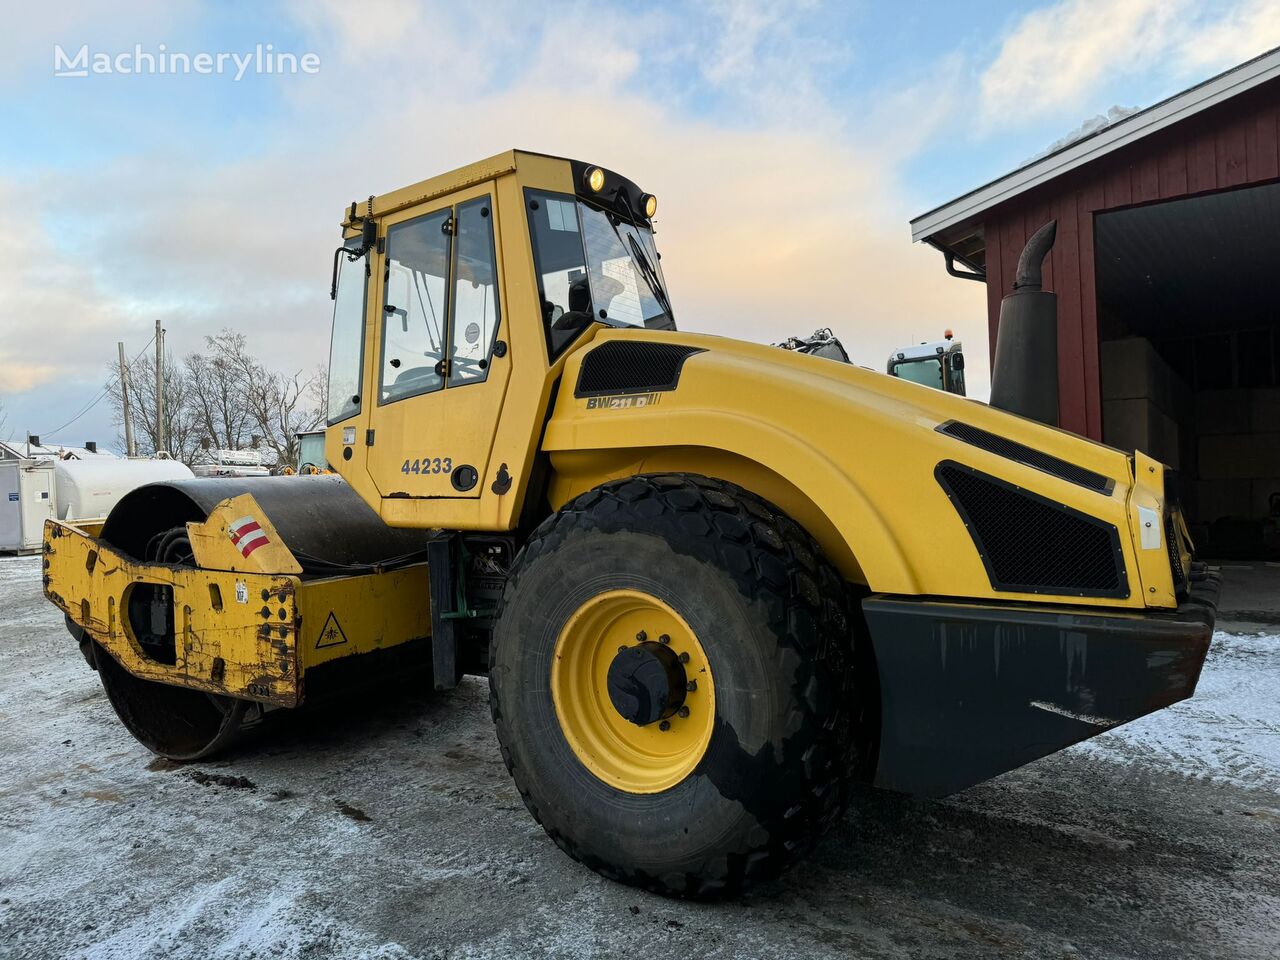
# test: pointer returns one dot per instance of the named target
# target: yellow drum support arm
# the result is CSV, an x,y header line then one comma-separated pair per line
x,y
243,622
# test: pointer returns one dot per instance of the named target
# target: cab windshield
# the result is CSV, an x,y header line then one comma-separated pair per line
x,y
927,371
625,285
593,266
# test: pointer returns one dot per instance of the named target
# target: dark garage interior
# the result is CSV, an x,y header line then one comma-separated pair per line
x,y
1189,328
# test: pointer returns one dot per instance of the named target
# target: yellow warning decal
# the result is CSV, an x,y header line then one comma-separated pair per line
x,y
331,635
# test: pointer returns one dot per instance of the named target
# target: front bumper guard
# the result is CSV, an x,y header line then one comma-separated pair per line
x,y
971,690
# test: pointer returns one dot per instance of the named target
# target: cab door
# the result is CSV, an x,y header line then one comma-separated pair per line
x,y
440,367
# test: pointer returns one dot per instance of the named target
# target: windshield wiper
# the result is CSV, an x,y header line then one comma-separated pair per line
x,y
650,275
647,270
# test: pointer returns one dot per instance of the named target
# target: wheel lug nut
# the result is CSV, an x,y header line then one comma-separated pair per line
x,y
684,658
642,636
684,712
691,686
623,648
664,726
664,639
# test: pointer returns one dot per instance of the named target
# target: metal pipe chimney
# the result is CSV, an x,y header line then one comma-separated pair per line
x,y
1024,376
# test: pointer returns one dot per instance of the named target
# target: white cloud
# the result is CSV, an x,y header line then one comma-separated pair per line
x,y
768,229
764,56
1056,57
31,30
1248,29
55,321
779,213
364,29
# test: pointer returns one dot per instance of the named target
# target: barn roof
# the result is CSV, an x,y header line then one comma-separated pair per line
x,y
1201,97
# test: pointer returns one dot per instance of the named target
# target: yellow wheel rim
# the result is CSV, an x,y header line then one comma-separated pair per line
x,y
633,758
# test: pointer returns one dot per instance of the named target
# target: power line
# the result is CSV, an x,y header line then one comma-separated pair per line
x,y
97,400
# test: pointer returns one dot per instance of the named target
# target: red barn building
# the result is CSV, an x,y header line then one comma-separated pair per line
x,y
1167,270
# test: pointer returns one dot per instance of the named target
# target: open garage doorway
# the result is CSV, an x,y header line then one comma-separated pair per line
x,y
1189,328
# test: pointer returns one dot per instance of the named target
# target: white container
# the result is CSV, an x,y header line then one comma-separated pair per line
x,y
88,489
27,500
230,463
223,470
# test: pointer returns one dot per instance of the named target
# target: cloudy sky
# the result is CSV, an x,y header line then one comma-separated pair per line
x,y
789,144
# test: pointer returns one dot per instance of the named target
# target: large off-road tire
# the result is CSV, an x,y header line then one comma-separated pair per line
x,y
754,765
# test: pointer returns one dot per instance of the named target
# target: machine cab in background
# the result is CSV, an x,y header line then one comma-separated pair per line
x,y
456,301
939,364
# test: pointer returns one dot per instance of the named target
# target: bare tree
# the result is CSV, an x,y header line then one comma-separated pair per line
x,y
320,392
4,420
224,398
271,406
219,406
281,410
181,439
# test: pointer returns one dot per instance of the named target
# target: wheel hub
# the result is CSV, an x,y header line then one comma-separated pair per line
x,y
633,691
646,683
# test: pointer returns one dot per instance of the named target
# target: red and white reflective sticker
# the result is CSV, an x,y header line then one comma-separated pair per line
x,y
246,534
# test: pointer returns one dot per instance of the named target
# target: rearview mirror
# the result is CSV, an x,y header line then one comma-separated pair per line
x,y
957,361
368,238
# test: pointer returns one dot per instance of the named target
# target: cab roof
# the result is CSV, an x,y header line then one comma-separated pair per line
x,y
478,172
922,351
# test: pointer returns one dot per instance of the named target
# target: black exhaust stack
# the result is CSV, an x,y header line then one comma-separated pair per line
x,y
1024,377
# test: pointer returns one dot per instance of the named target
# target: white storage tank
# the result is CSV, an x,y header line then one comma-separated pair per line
x,y
88,489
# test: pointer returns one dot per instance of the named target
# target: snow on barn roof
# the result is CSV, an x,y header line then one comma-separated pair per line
x,y
1111,137
20,450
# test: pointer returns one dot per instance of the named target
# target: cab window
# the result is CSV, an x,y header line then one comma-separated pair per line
x,y
561,266
414,309
955,370
346,347
475,294
622,297
927,372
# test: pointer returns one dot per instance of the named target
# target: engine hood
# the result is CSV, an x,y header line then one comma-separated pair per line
x,y
852,454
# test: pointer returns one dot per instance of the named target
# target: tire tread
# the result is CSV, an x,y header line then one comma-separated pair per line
x,y
773,561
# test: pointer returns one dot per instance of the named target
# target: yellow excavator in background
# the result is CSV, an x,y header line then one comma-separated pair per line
x,y
712,584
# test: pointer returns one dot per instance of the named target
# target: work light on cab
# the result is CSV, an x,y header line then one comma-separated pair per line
x,y
649,204
595,179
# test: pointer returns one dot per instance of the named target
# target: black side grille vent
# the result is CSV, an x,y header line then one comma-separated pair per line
x,y
1031,544
1175,560
1011,450
1172,505
631,366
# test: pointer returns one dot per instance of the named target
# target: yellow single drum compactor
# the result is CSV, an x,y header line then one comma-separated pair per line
x,y
714,585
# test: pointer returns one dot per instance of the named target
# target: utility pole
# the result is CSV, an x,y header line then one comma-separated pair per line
x,y
129,448
159,387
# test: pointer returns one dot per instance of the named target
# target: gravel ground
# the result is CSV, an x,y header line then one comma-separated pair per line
x,y
391,830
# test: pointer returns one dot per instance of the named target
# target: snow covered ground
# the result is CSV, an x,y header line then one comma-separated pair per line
x,y
1229,731
389,829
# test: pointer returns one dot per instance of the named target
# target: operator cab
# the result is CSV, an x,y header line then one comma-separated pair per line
x,y
594,256
939,364
435,310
